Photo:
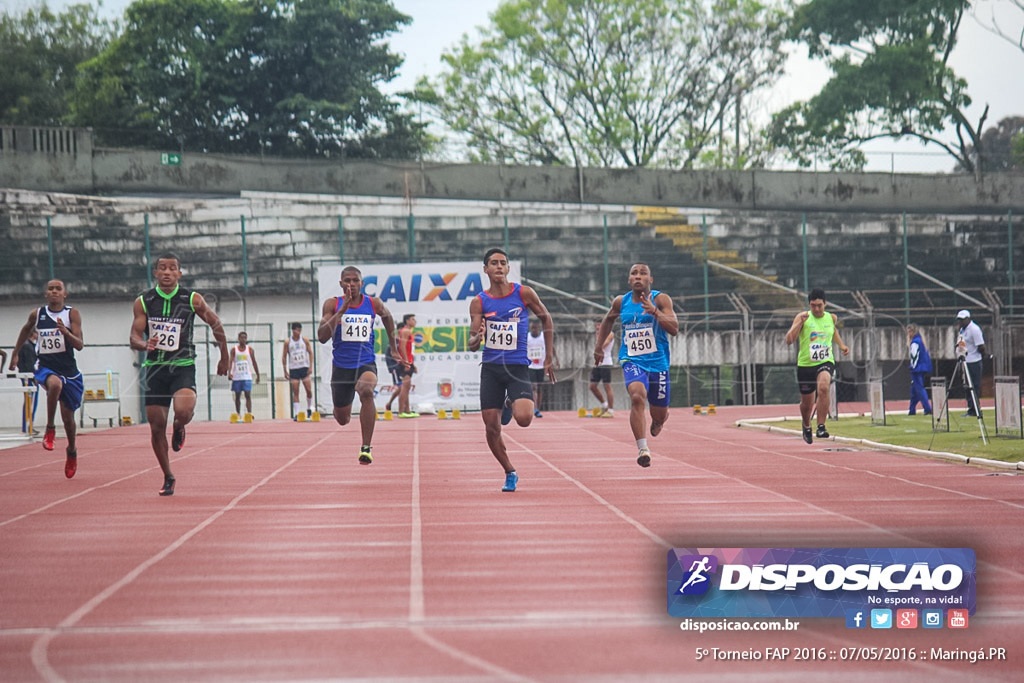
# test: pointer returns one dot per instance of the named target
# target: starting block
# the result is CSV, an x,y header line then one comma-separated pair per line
x,y
443,414
456,414
234,418
300,416
315,417
388,415
582,412
248,418
711,409
696,409
126,421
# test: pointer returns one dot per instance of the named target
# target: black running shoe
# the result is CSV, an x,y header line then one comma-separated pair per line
x,y
808,435
822,433
168,489
506,413
177,441
365,458
644,459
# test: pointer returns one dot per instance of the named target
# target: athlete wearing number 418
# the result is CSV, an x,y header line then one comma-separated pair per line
x,y
816,331
647,318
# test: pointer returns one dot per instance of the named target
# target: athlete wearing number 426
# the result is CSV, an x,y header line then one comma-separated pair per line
x,y
647,318
816,331
162,327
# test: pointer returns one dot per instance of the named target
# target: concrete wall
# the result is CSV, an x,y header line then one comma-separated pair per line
x,y
88,170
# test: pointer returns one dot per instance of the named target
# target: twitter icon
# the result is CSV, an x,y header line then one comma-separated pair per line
x,y
881,618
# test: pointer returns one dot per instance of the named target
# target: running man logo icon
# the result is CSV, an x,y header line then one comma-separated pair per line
x,y
696,581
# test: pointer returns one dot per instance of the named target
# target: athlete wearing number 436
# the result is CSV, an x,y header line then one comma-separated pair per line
x,y
816,331
647,318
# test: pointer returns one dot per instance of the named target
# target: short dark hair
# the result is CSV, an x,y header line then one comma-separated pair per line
x,y
816,293
492,251
405,318
352,269
166,256
296,326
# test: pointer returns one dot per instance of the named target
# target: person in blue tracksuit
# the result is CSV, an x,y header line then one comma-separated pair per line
x,y
920,369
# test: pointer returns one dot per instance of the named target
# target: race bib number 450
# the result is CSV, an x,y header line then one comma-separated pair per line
x,y
639,341
356,327
502,335
167,335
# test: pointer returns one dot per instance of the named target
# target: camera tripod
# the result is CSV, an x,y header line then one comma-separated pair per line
x,y
972,397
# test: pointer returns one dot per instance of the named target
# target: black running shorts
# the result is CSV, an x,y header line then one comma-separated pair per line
x,y
343,383
807,376
498,380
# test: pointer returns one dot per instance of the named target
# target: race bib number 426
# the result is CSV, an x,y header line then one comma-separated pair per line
x,y
167,335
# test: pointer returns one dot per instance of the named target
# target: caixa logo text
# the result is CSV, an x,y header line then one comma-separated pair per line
x,y
831,577
423,287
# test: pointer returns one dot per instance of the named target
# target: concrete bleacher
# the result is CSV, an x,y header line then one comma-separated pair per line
x,y
100,243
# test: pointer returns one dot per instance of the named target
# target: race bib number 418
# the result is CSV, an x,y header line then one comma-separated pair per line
x,y
356,327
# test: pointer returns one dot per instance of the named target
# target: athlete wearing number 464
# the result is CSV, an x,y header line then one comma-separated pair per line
x,y
647,318
816,331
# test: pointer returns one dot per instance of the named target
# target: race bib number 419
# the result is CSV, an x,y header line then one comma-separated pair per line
x,y
502,335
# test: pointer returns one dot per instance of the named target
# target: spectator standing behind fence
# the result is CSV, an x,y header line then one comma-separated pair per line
x,y
602,373
27,363
920,369
243,368
971,343
296,359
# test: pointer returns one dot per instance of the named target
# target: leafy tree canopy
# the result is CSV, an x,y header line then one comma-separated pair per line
x,y
39,51
890,78
293,77
609,82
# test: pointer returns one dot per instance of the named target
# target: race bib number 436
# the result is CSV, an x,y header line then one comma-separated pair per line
x,y
51,341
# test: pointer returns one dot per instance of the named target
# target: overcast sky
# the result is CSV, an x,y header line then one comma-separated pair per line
x,y
993,68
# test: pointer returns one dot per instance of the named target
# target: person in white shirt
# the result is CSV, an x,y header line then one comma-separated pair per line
x,y
970,344
602,373
296,357
242,369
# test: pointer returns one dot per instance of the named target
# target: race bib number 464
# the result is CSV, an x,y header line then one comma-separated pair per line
x,y
820,352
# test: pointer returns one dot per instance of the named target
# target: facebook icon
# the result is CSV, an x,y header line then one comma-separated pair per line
x,y
855,618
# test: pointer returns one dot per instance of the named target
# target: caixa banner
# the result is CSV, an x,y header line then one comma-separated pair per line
x,y
816,582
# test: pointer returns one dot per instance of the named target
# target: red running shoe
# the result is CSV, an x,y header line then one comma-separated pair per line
x,y
48,436
177,438
71,464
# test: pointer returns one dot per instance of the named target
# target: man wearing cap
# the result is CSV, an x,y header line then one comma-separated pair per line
x,y
971,344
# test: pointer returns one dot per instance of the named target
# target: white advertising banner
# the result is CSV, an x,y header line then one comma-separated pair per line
x,y
438,294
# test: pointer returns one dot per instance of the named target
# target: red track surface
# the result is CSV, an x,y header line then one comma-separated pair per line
x,y
280,558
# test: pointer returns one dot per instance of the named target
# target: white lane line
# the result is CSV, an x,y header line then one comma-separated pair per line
x,y
40,658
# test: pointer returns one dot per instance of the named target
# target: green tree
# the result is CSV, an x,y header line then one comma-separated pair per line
x,y
298,77
609,82
890,79
39,51
1000,140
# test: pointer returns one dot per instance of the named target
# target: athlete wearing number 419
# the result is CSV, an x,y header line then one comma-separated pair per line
x,y
647,318
816,331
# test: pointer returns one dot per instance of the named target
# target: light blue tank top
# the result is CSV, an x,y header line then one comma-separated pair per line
x,y
644,341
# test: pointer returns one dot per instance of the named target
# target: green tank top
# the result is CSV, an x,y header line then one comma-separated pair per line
x,y
816,340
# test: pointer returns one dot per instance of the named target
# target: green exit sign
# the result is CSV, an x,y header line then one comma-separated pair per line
x,y
170,159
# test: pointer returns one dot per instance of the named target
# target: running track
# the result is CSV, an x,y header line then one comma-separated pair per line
x,y
280,558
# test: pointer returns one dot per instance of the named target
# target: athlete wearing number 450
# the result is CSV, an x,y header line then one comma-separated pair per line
x,y
162,327
816,331
647,318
